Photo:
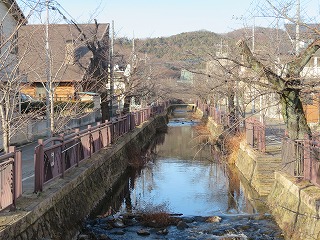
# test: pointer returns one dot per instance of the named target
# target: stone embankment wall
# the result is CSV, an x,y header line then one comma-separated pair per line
x,y
295,205
258,169
57,212
215,129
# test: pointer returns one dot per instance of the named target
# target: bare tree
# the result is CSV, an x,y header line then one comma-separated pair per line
x,y
10,76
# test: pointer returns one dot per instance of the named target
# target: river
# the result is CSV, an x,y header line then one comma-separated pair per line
x,y
182,176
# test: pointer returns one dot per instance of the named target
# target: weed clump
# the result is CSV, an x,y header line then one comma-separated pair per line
x,y
156,216
232,144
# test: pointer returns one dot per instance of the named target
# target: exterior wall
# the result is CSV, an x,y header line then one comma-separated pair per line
x,y
29,90
64,92
312,113
296,207
9,25
312,109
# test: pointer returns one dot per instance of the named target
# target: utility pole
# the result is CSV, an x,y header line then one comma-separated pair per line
x,y
298,28
253,33
253,108
112,71
49,108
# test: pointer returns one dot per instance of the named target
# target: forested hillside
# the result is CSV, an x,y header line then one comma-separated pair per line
x,y
199,46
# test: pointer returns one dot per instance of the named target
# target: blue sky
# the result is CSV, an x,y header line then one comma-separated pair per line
x,y
155,18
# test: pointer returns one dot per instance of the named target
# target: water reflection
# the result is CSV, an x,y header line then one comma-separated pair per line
x,y
183,175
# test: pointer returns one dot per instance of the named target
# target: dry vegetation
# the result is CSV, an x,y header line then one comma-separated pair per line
x,y
232,144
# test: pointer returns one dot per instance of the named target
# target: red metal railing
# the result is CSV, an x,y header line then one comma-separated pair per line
x,y
58,154
292,154
255,134
301,158
11,178
312,161
219,116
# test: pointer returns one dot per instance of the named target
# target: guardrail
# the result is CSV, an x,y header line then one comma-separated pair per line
x,y
255,134
301,158
10,178
219,116
56,155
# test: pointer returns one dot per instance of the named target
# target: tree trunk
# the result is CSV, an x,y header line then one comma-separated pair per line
x,y
5,129
126,105
105,110
293,114
231,110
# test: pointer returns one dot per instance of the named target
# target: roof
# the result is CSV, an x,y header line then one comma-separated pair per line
x,y
33,53
15,10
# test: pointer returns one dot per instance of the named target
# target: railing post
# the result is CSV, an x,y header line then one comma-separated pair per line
x,y
100,136
18,173
78,142
307,166
13,184
90,140
62,157
38,164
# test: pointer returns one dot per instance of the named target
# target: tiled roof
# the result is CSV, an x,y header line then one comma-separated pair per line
x,y
32,50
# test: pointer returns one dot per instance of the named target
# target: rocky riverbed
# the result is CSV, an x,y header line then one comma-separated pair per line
x,y
130,226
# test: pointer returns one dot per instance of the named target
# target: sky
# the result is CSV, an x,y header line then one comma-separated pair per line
x,y
156,18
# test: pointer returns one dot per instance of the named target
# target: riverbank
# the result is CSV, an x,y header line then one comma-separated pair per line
x,y
295,204
57,212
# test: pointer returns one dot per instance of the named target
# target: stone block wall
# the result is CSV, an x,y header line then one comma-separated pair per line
x,y
295,204
258,168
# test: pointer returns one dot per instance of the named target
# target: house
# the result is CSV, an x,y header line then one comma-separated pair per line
x,y
72,62
186,76
311,72
11,19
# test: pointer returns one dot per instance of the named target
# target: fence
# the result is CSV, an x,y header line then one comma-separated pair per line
x,y
301,158
255,134
58,154
10,178
218,116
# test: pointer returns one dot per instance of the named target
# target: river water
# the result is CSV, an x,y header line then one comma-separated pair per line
x,y
184,177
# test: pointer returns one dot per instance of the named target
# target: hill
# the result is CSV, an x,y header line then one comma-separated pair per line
x,y
196,47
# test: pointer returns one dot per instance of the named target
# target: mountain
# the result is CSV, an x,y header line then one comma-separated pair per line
x,y
196,47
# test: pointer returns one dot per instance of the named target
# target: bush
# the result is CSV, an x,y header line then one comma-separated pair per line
x,y
63,105
34,106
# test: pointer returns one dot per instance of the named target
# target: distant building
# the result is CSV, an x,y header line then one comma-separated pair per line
x,y
186,77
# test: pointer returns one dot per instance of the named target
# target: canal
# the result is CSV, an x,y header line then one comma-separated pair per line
x,y
184,180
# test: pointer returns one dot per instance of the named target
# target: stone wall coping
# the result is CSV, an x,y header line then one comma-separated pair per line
x,y
309,193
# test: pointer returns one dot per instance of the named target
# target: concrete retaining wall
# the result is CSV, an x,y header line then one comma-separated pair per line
x,y
57,212
296,207
37,128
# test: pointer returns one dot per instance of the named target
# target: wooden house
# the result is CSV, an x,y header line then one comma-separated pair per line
x,y
68,61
